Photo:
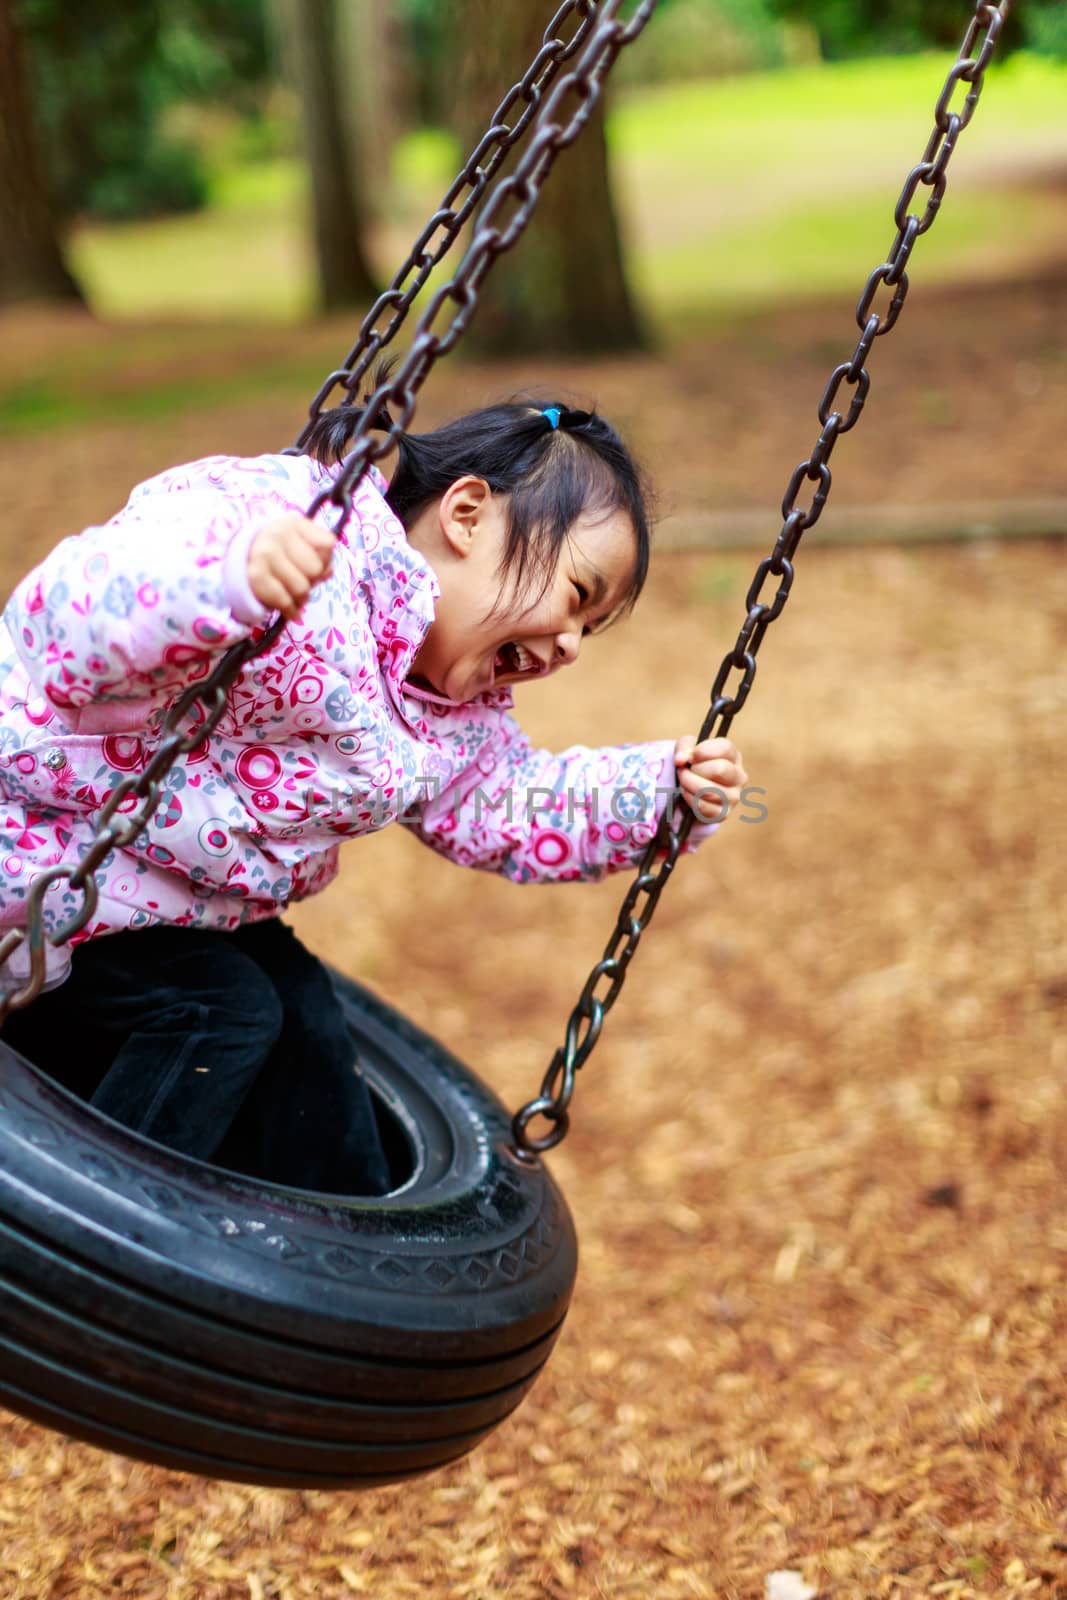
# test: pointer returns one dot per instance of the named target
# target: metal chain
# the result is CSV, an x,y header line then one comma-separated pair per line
x,y
391,406
600,36
606,979
495,234
456,208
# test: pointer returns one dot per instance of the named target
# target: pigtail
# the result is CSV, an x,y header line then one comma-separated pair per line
x,y
329,437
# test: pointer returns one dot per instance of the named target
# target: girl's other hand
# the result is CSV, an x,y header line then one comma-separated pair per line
x,y
711,775
287,557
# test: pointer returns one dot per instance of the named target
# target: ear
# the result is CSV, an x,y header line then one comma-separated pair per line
x,y
462,510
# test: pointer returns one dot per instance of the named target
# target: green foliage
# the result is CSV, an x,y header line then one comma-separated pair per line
x,y
683,39
889,27
712,235
877,27
148,179
1046,30
429,27
104,76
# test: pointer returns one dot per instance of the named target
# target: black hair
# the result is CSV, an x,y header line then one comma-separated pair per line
x,y
553,463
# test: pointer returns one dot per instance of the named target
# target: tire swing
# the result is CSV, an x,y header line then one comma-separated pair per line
x,y
182,1314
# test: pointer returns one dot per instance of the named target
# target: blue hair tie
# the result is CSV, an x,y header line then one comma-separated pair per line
x,y
553,413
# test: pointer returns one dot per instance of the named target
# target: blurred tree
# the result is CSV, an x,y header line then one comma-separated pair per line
x,y
105,74
309,34
564,286
31,262
374,50
429,27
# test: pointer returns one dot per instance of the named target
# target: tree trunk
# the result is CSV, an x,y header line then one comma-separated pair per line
x,y
309,36
31,263
375,100
564,285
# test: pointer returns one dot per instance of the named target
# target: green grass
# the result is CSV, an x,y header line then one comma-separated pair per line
x,y
73,395
276,185
740,190
782,185
245,256
426,161
771,118
813,249
737,193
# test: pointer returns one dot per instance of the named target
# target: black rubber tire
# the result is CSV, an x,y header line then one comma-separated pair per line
x,y
182,1314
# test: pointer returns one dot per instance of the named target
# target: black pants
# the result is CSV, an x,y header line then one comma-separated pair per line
x,y
232,1047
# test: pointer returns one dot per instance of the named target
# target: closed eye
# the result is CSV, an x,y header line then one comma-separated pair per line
x,y
583,600
589,597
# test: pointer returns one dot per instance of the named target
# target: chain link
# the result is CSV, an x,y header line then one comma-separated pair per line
x,y
658,862
391,406
456,207
547,128
599,35
204,701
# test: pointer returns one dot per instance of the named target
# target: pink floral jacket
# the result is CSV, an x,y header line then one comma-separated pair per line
x,y
322,739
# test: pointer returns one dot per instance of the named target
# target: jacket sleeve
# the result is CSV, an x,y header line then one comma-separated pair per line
x,y
142,604
535,816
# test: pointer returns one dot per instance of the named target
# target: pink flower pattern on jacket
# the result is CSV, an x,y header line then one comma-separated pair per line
x,y
322,739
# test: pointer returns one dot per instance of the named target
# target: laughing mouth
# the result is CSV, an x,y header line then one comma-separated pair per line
x,y
514,659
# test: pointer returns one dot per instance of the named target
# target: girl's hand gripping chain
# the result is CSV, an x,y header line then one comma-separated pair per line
x,y
710,776
503,541
288,556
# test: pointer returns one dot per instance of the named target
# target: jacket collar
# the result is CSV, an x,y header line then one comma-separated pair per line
x,y
402,594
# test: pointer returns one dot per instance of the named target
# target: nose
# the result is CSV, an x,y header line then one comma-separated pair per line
x,y
568,644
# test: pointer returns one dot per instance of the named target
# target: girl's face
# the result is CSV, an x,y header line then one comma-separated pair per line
x,y
483,634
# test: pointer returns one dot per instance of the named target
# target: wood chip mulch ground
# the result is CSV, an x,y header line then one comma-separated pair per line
x,y
817,1160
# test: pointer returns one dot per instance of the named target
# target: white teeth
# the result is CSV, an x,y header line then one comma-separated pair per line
x,y
515,658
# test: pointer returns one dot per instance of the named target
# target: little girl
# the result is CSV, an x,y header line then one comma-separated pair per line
x,y
502,541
